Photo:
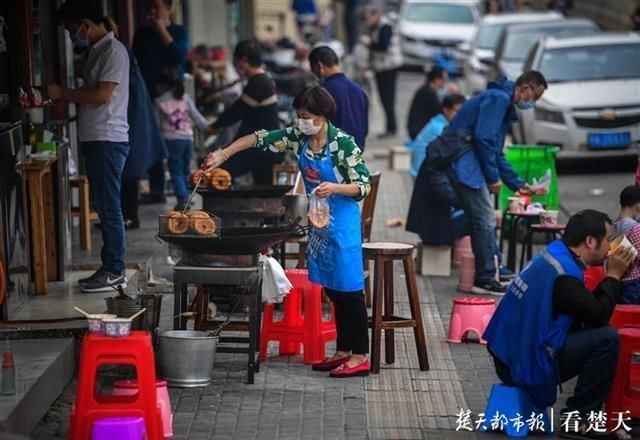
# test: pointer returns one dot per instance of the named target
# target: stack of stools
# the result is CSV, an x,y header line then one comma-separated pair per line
x,y
511,402
302,322
470,314
461,247
91,406
623,397
130,388
383,255
467,273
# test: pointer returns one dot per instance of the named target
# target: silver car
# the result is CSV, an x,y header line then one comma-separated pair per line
x,y
592,105
481,52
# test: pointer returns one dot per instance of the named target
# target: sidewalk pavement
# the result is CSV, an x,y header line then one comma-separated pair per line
x,y
290,401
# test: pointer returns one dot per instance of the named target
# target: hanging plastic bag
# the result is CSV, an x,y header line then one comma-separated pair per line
x,y
543,184
319,213
275,285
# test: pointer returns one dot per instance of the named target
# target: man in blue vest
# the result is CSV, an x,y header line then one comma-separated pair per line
x,y
549,328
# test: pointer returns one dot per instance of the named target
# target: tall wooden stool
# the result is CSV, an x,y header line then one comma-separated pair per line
x,y
383,255
83,210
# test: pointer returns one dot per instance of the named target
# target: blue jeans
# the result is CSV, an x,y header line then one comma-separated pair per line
x,y
630,292
482,217
592,355
104,163
179,161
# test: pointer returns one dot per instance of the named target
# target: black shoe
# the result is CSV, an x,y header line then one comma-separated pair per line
x,y
104,282
131,224
386,135
148,199
491,287
82,281
182,206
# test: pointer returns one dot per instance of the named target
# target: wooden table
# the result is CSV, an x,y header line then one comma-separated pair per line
x,y
39,177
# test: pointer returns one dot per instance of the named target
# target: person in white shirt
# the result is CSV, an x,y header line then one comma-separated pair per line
x,y
102,128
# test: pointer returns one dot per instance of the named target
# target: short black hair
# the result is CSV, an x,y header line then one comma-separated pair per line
x,y
586,223
74,11
436,72
533,78
630,196
316,100
250,50
324,55
450,101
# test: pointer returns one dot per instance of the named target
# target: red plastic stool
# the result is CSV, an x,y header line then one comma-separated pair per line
x,y
91,406
130,388
461,247
625,315
470,314
467,273
302,323
622,396
593,276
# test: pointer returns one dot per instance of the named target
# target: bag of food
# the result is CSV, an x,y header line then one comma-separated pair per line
x,y
319,213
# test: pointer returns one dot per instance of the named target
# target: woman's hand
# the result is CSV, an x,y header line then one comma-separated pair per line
x,y
214,160
325,189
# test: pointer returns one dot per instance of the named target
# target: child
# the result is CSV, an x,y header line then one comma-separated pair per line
x,y
627,225
175,111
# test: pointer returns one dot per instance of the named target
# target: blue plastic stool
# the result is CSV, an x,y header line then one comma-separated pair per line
x,y
512,402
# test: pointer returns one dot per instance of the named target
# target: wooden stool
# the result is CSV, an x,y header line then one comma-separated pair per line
x,y
83,210
384,254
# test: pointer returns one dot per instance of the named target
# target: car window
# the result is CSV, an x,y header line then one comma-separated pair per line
x,y
438,13
519,43
591,63
488,36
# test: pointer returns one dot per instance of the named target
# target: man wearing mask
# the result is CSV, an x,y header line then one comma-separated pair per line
x,y
476,174
352,104
427,101
386,59
256,109
160,46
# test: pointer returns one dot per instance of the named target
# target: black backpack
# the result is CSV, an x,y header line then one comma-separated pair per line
x,y
447,148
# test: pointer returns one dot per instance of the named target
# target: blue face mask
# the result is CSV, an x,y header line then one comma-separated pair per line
x,y
79,43
527,105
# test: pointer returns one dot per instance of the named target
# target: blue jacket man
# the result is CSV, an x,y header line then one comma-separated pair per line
x,y
488,117
352,103
549,328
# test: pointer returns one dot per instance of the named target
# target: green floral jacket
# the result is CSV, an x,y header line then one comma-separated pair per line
x,y
346,157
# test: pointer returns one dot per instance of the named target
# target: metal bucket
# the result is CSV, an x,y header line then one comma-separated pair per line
x,y
186,357
125,307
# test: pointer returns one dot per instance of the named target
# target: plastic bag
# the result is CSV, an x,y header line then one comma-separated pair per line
x,y
275,285
543,184
319,213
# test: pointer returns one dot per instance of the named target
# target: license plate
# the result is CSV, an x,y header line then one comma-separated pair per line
x,y
608,140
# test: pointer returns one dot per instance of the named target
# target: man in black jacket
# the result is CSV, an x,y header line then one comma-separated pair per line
x,y
257,109
427,101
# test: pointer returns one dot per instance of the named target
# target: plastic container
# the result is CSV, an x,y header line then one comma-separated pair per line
x,y
549,218
530,161
96,324
117,327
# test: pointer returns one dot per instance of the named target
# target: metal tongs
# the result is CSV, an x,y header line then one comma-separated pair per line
x,y
195,189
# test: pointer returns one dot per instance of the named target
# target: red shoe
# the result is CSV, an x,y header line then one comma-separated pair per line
x,y
329,364
359,370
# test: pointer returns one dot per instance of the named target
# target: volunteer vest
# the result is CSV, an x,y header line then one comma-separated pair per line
x,y
523,332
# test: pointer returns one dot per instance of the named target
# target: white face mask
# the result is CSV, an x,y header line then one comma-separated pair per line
x,y
307,127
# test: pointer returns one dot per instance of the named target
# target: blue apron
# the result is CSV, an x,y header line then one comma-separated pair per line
x,y
334,253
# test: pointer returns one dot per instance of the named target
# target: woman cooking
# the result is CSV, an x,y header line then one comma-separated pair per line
x,y
333,169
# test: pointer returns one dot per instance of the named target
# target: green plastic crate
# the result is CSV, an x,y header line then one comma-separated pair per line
x,y
530,161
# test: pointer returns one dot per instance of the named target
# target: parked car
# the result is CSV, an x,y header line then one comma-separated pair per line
x,y
592,105
517,40
432,28
481,51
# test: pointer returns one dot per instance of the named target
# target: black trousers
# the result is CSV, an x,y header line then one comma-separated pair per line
x,y
351,321
592,355
156,179
129,193
386,83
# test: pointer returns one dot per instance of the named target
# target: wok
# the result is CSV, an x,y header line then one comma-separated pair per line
x,y
248,192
